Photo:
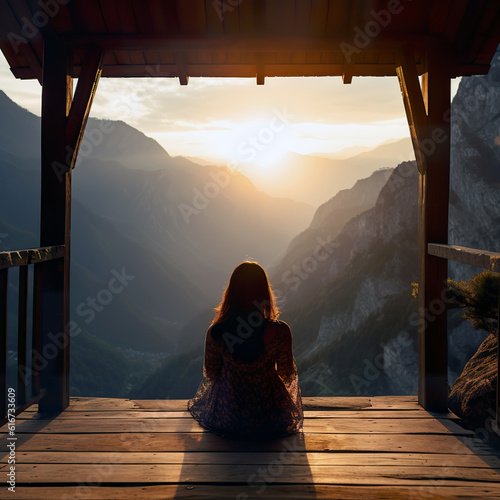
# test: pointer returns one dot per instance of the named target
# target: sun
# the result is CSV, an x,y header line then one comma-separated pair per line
x,y
260,146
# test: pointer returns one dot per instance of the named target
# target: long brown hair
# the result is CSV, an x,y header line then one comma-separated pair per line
x,y
248,289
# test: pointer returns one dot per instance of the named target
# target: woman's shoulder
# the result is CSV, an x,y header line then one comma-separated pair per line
x,y
277,330
278,324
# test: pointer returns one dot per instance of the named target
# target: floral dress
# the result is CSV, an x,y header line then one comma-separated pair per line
x,y
253,400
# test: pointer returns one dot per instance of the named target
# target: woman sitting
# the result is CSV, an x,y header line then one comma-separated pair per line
x,y
250,388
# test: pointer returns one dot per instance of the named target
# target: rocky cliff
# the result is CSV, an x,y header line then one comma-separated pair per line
x,y
355,328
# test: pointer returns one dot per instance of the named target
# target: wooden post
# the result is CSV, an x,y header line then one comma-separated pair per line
x,y
22,337
55,223
63,125
428,112
434,187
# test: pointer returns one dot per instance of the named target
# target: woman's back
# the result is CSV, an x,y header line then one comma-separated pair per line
x,y
250,388
252,393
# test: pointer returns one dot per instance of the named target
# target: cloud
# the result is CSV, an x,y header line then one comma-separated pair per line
x,y
210,111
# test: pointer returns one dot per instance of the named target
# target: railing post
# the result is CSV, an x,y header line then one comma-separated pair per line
x,y
498,365
22,333
55,229
3,341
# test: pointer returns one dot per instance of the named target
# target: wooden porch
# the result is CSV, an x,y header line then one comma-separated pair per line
x,y
354,447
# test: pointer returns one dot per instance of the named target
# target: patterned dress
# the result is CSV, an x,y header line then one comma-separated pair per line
x,y
251,399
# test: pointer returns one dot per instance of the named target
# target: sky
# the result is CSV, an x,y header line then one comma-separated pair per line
x,y
231,119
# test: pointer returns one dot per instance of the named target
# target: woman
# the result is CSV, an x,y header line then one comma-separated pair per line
x,y
250,389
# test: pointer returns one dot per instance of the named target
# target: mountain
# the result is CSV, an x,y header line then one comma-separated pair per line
x,y
169,230
349,300
297,269
355,329
344,153
402,147
314,180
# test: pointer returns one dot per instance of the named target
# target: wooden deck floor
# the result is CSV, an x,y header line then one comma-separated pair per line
x,y
381,447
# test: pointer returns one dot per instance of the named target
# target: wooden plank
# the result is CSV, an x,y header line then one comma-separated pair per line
x,y
4,283
143,16
454,20
388,475
25,257
323,425
259,458
87,17
440,490
20,408
191,16
319,17
213,13
471,256
55,222
302,18
22,337
139,414
485,30
439,15
128,22
110,15
198,441
230,14
389,403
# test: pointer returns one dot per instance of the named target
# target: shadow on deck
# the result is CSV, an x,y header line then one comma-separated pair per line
x,y
380,447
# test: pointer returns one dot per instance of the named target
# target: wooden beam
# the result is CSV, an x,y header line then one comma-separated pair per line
x,y
260,68
57,91
247,70
84,95
433,203
32,256
234,43
181,68
472,256
413,101
347,74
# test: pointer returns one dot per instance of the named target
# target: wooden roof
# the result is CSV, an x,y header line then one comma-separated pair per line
x,y
251,38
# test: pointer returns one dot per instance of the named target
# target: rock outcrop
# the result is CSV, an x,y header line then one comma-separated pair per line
x,y
473,394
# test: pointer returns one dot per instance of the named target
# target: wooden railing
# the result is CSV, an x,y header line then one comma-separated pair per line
x,y
485,260
22,259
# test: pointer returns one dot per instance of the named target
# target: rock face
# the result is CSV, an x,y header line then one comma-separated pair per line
x,y
352,315
473,395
